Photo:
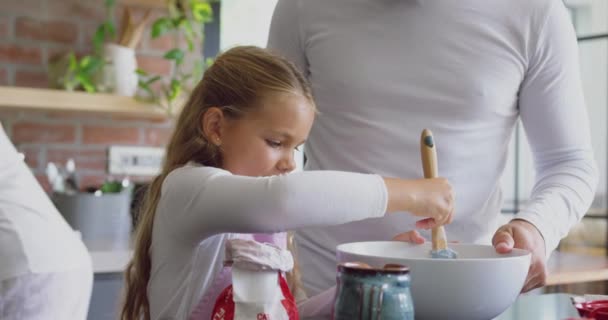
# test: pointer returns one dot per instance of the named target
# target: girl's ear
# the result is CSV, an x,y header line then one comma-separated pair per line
x,y
211,123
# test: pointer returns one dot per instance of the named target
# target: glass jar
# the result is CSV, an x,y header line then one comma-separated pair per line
x,y
365,293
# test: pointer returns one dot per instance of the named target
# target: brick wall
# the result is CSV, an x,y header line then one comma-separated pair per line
x,y
32,31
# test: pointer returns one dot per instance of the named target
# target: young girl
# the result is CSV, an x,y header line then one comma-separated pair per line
x,y
225,172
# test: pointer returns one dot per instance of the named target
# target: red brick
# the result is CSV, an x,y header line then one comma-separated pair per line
x,y
46,30
31,156
163,43
77,116
44,182
88,32
34,79
77,10
130,117
109,135
154,65
28,132
4,26
20,6
157,136
84,159
87,180
14,53
54,53
9,115
3,77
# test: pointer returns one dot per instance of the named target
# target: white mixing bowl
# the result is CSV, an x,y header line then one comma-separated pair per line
x,y
480,284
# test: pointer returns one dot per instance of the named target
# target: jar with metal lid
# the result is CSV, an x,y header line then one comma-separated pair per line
x,y
366,293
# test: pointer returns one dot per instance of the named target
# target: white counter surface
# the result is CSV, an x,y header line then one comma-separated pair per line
x,y
110,261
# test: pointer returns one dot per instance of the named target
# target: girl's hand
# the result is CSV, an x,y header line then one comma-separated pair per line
x,y
429,198
410,236
413,237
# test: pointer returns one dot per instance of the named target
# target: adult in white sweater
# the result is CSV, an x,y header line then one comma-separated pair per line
x,y
381,71
45,269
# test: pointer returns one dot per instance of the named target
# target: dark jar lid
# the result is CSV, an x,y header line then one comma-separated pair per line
x,y
365,269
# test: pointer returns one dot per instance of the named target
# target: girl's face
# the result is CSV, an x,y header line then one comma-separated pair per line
x,y
262,142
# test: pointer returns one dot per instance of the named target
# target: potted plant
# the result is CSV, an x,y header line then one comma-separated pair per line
x,y
70,72
185,19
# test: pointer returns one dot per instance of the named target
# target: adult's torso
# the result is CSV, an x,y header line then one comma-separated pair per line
x,y
381,71
34,238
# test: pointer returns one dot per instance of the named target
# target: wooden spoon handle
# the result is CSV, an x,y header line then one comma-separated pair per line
x,y
429,166
429,155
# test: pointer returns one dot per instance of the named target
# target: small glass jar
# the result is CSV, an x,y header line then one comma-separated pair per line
x,y
365,293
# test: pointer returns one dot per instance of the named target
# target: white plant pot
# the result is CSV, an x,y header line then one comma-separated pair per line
x,y
124,66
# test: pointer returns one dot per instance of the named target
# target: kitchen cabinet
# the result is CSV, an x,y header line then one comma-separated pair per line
x,y
108,283
106,299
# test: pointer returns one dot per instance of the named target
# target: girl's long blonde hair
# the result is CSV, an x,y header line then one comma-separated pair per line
x,y
236,82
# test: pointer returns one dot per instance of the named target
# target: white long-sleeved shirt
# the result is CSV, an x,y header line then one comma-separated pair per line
x,y
34,237
200,207
381,71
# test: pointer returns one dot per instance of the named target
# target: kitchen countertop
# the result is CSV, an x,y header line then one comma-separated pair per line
x,y
563,268
539,307
545,306
110,261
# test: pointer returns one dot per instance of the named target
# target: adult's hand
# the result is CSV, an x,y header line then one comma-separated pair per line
x,y
523,235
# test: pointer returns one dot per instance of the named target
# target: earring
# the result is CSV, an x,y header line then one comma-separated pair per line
x,y
218,142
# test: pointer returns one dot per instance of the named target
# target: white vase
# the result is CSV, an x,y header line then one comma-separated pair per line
x,y
124,66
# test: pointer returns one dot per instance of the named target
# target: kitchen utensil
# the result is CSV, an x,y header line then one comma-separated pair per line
x,y
366,293
479,285
126,26
103,220
71,180
138,30
131,31
429,166
54,176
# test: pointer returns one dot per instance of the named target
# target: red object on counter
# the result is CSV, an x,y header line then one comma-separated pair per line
x,y
224,306
597,309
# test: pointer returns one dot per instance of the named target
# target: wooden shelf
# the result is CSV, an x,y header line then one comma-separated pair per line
x,y
58,100
155,4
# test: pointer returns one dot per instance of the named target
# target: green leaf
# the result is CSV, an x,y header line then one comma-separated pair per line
x,y
190,34
111,187
190,42
86,83
109,29
201,11
99,38
209,62
197,72
73,63
105,31
161,26
179,21
84,62
110,3
175,54
174,90
146,88
152,80
141,72
93,65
